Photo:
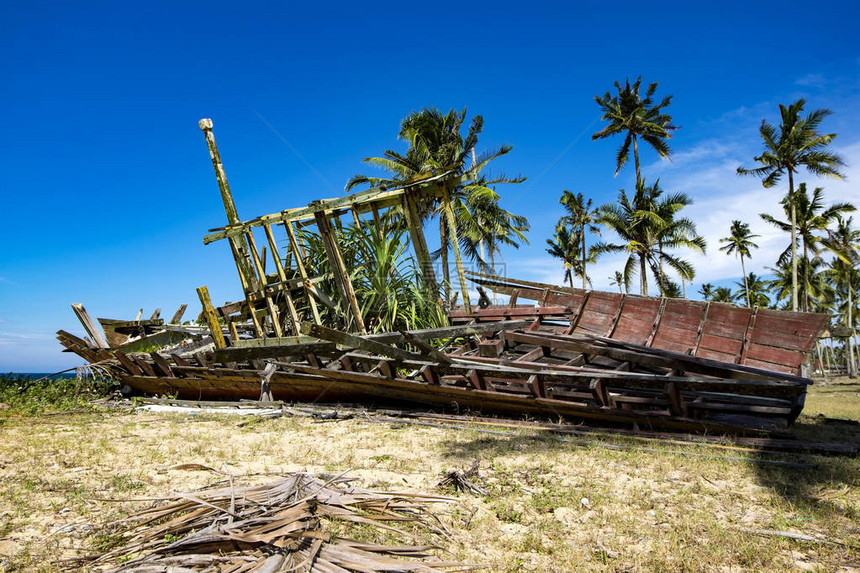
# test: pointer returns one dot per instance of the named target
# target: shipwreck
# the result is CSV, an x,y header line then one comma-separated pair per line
x,y
550,351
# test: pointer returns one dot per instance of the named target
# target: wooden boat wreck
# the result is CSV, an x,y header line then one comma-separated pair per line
x,y
574,354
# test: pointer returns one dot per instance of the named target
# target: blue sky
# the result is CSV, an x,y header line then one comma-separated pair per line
x,y
107,186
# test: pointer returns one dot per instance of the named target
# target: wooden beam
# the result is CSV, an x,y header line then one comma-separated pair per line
x,y
300,265
327,234
282,276
352,341
261,271
177,316
237,244
90,326
363,201
422,253
211,317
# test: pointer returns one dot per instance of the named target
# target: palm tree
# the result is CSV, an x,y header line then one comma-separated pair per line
x,y
582,218
437,147
844,243
739,241
811,217
754,290
815,289
707,291
639,118
677,232
618,280
565,246
484,223
797,144
647,227
723,294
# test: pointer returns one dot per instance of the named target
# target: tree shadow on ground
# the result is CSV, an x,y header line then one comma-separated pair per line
x,y
823,485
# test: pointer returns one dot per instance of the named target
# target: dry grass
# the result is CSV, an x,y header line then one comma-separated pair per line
x,y
600,503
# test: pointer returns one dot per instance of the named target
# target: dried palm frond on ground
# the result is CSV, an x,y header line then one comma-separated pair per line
x,y
462,480
298,523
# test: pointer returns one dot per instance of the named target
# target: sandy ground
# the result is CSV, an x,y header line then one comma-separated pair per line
x,y
599,503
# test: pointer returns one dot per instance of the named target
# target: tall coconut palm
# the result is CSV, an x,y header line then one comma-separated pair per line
x,y
582,218
565,246
844,243
723,294
646,233
617,279
797,144
637,117
754,290
676,232
811,218
707,291
739,242
815,289
483,223
437,147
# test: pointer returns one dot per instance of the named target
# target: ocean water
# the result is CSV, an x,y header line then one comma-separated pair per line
x,y
37,375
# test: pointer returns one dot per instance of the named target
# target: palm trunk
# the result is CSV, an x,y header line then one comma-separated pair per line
x,y
806,304
493,267
446,276
584,274
643,280
852,366
793,242
746,283
636,159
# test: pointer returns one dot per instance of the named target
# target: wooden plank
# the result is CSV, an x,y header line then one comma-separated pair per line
x,y
161,364
90,326
300,265
211,317
274,316
449,331
128,363
292,315
352,341
327,234
646,356
419,244
244,354
638,320
491,348
367,197
177,316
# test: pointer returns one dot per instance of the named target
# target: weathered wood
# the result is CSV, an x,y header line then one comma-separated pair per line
x,y
177,316
162,364
367,199
274,316
300,265
419,244
90,326
282,276
211,317
237,244
128,363
344,284
352,341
